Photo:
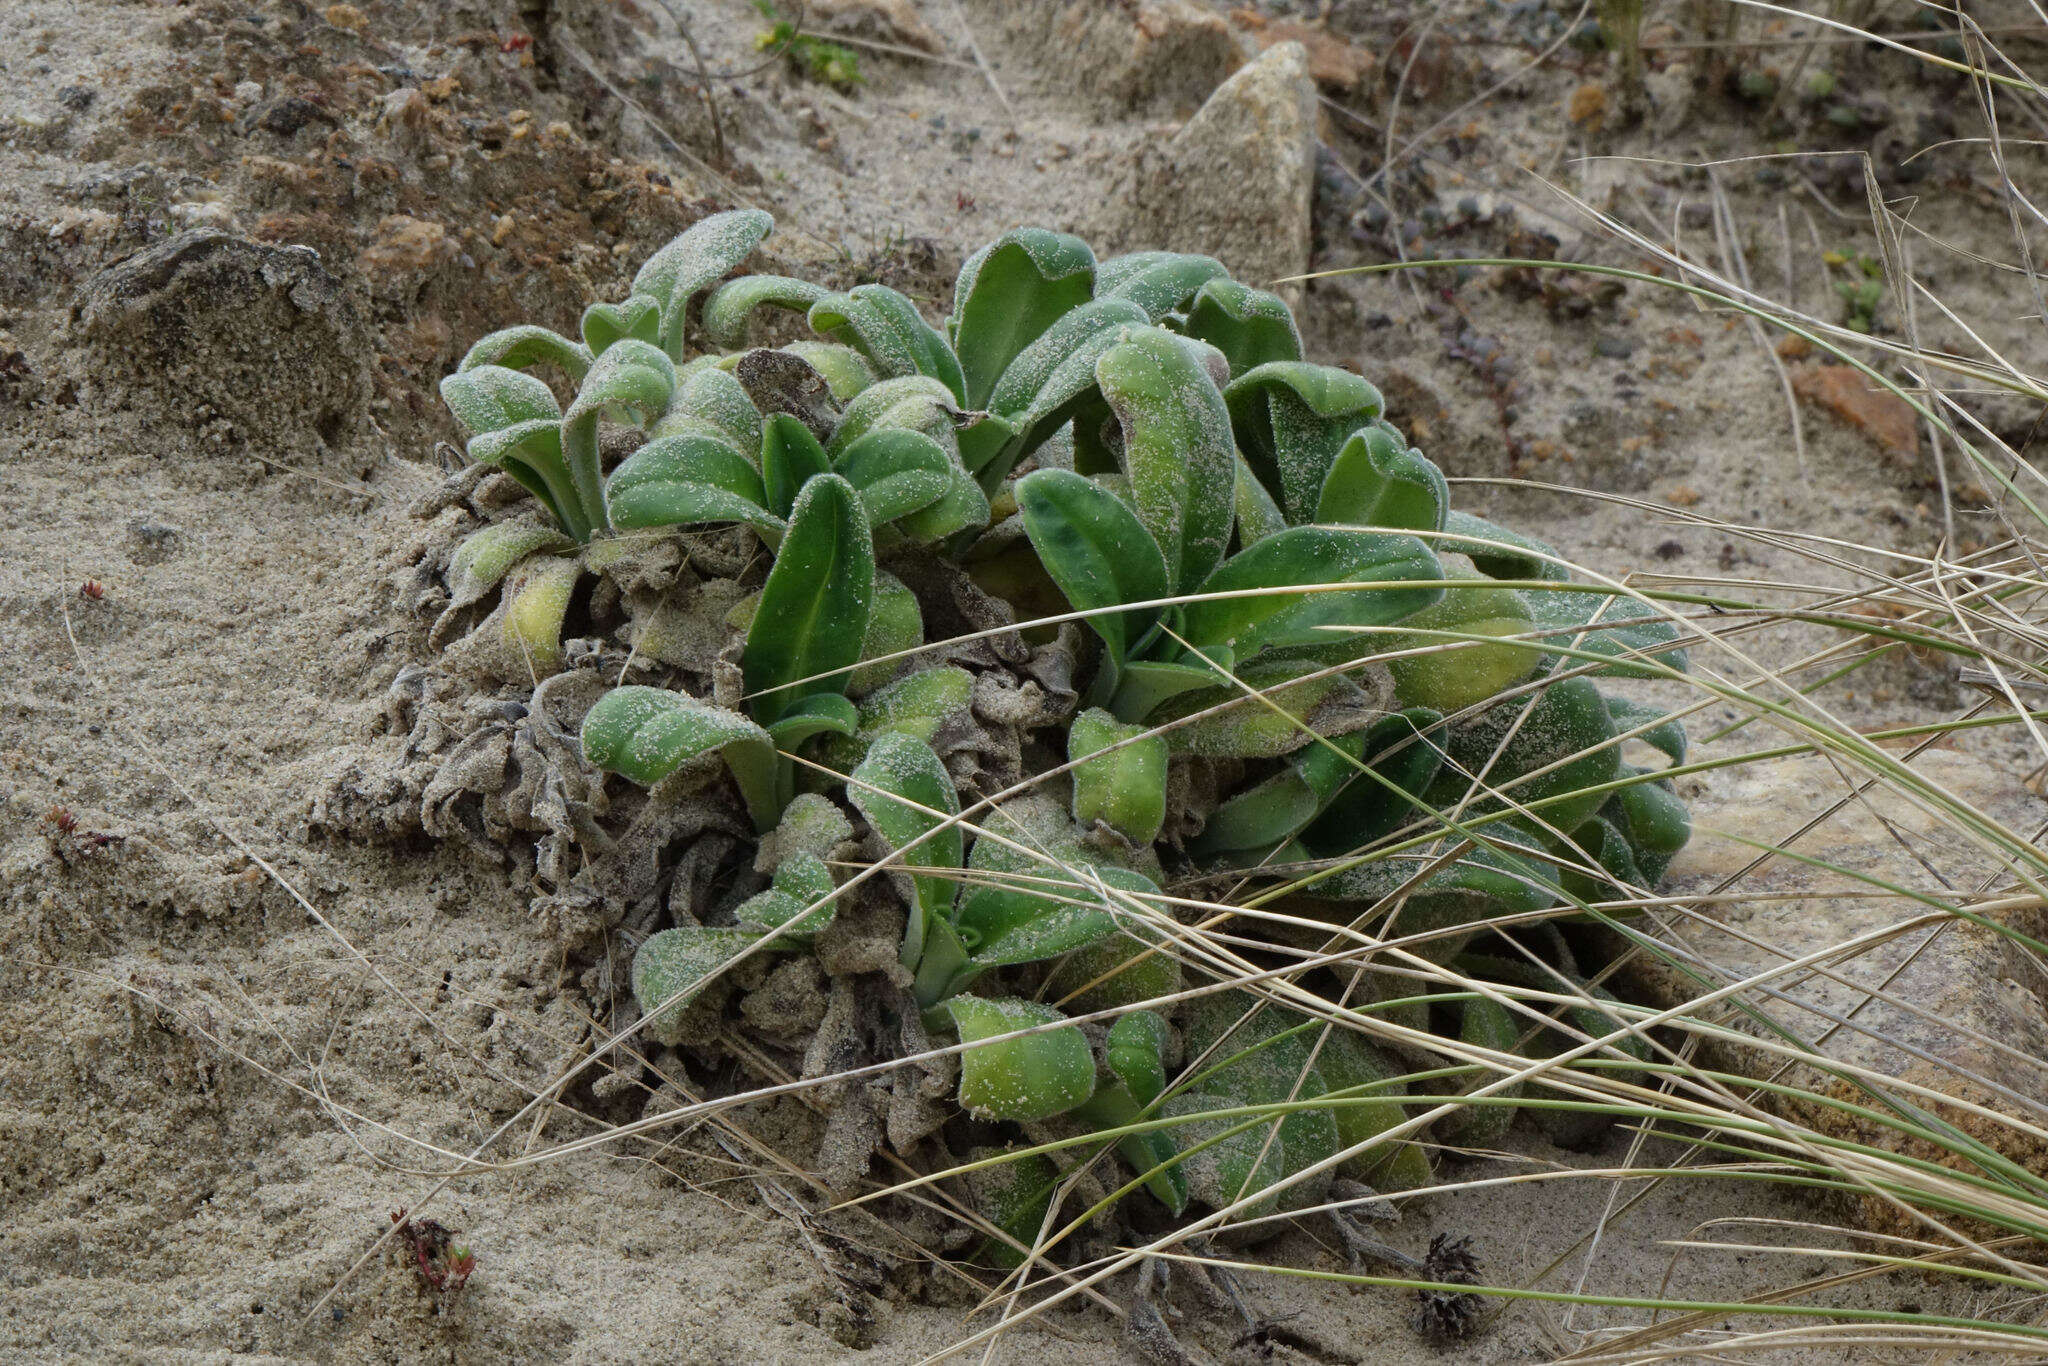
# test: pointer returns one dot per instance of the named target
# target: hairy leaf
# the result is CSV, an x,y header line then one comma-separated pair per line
x,y
631,381
813,614
731,306
886,327
790,458
515,348
904,791
1176,449
638,318
1460,674
1033,1077
646,734
685,480
1561,726
490,398
1123,787
1096,550
674,966
1160,282
712,402
897,472
1249,326
1374,481
694,260
1310,557
1291,419
480,562
1008,293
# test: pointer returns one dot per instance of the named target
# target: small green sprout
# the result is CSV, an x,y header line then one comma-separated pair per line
x,y
1860,284
811,56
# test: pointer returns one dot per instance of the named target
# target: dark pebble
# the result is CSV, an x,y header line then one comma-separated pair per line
x,y
77,98
1614,348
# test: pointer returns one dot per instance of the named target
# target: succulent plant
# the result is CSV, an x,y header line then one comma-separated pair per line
x,y
1390,702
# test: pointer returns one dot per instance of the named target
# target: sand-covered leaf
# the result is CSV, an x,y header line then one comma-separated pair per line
x,y
1032,1077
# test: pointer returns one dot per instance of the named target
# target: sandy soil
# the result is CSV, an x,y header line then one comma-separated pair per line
x,y
236,1044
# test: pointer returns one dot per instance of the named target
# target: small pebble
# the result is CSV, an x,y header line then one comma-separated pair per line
x,y
1614,348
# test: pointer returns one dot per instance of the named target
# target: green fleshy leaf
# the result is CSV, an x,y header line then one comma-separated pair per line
x,y
790,458
1373,481
1008,293
1133,1052
515,348
1291,419
536,600
696,259
1281,806
1252,730
1049,381
886,327
1488,1024
1146,685
1347,1061
672,969
1125,788
1506,876
685,481
1461,674
713,403
1666,732
917,403
1403,750
918,704
630,382
1258,516
1249,326
1271,1070
904,791
1160,282
1034,1077
1647,634
490,398
1177,449
646,734
1117,970
1014,1196
1008,927
531,452
800,897
1309,557
1096,550
813,615
1568,716
1517,557
480,562
894,624
897,472
638,318
731,306
825,713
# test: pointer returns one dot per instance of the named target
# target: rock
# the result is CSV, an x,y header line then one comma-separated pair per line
x,y
1158,56
881,21
1853,398
1238,180
1336,65
405,250
255,347
1965,975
